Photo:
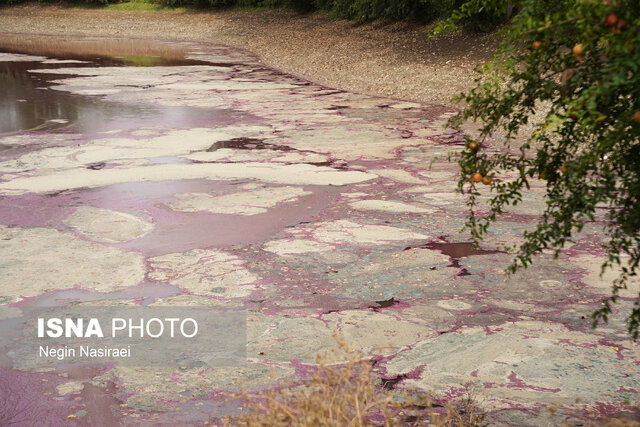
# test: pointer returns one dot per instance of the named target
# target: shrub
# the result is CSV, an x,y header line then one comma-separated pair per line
x,y
349,395
422,11
88,2
391,10
579,57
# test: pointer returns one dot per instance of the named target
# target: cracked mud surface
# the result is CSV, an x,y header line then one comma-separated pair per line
x,y
315,210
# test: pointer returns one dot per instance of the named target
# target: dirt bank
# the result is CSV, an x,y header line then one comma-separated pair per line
x,y
396,60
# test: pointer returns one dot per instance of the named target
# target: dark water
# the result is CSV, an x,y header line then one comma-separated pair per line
x,y
27,101
456,250
248,144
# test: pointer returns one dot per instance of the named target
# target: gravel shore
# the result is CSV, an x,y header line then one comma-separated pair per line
x,y
397,60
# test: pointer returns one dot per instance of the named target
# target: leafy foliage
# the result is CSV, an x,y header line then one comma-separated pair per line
x,y
421,11
478,15
367,10
87,2
576,60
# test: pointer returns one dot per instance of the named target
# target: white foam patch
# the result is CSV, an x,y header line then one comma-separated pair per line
x,y
388,206
64,61
346,141
37,260
295,247
16,57
301,174
250,202
325,236
105,225
205,272
398,175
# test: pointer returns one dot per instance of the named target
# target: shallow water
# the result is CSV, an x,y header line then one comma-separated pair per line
x,y
28,101
306,258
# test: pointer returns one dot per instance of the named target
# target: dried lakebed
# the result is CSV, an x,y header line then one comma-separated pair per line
x,y
213,181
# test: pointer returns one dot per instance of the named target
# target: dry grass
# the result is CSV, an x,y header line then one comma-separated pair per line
x,y
615,422
350,394
623,419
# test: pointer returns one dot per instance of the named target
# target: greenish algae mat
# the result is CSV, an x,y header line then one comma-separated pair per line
x,y
217,182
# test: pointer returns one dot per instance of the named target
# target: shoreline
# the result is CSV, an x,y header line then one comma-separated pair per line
x,y
393,60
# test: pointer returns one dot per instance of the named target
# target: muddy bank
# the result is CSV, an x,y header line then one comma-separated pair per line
x,y
392,60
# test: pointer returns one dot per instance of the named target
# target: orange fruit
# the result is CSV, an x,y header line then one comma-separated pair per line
x,y
611,20
536,45
622,24
578,50
486,180
477,177
473,145
636,117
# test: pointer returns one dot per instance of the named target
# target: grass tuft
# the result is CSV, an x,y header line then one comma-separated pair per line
x,y
142,5
349,394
